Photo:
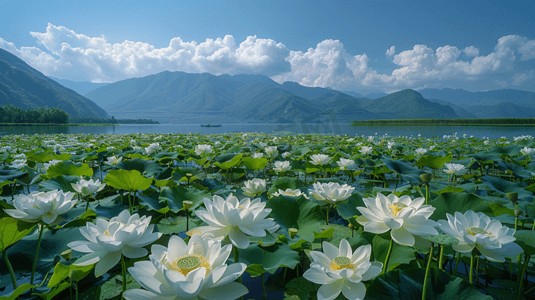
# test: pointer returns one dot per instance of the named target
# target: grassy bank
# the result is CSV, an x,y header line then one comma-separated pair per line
x,y
53,124
449,122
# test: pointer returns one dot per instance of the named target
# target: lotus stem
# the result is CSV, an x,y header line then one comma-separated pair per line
x,y
441,257
87,204
236,260
471,274
41,229
10,268
76,290
130,203
521,283
426,193
123,267
263,286
385,267
327,215
424,291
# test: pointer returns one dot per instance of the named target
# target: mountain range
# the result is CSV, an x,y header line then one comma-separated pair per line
x,y
25,87
179,97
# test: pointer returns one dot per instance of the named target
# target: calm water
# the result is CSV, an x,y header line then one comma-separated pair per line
x,y
425,131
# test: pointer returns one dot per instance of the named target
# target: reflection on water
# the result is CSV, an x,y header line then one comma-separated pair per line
x,y
321,128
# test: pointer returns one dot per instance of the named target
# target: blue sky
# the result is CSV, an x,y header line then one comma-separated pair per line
x,y
475,45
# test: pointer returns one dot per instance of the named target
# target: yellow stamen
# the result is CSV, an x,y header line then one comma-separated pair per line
x,y
476,230
193,231
190,262
341,262
397,207
107,233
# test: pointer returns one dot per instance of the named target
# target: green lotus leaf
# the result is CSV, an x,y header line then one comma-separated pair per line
x,y
127,180
502,186
441,239
433,162
182,174
349,209
526,240
255,164
451,203
229,163
61,182
518,171
19,291
152,202
112,288
408,284
69,168
148,168
178,224
178,194
61,272
449,189
12,230
284,183
268,259
400,254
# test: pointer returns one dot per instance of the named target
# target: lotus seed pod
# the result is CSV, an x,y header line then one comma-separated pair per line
x,y
66,254
518,212
426,177
512,197
292,232
187,204
351,226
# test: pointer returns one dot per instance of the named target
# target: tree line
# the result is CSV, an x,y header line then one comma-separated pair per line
x,y
112,120
12,114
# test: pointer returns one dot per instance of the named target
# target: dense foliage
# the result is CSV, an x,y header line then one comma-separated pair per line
x,y
12,114
180,216
112,120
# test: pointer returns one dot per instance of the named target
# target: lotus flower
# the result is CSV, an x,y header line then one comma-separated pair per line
x,y
528,151
404,216
366,150
271,151
421,151
254,187
125,234
49,164
196,270
113,160
18,164
319,159
152,148
203,149
281,166
490,237
41,206
290,192
257,155
88,187
338,270
345,163
455,169
236,219
331,192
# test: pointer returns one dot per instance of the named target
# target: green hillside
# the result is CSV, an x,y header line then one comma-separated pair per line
x,y
24,87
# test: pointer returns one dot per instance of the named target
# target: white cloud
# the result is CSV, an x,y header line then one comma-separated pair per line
x,y
391,51
79,57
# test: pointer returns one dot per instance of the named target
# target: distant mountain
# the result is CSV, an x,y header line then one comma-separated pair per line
x,y
198,98
81,87
376,95
464,98
461,112
25,87
502,110
408,104
354,94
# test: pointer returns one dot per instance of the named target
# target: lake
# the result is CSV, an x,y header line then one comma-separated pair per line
x,y
323,128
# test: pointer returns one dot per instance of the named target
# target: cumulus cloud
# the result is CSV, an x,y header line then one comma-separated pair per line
x,y
391,51
67,54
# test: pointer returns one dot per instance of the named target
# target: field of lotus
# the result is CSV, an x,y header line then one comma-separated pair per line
x,y
266,216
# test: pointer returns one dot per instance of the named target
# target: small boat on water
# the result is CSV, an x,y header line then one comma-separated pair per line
x,y
210,125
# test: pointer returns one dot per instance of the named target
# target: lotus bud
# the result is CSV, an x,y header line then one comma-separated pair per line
x,y
189,175
426,177
512,197
66,254
187,204
518,212
351,226
292,232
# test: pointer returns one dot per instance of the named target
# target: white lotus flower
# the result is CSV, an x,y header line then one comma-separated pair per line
x,y
366,150
236,219
490,237
125,234
345,163
152,148
271,151
286,154
456,169
331,192
319,159
18,164
404,216
49,164
290,192
281,166
257,155
528,151
41,206
203,149
421,151
339,270
88,187
254,187
196,270
113,160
